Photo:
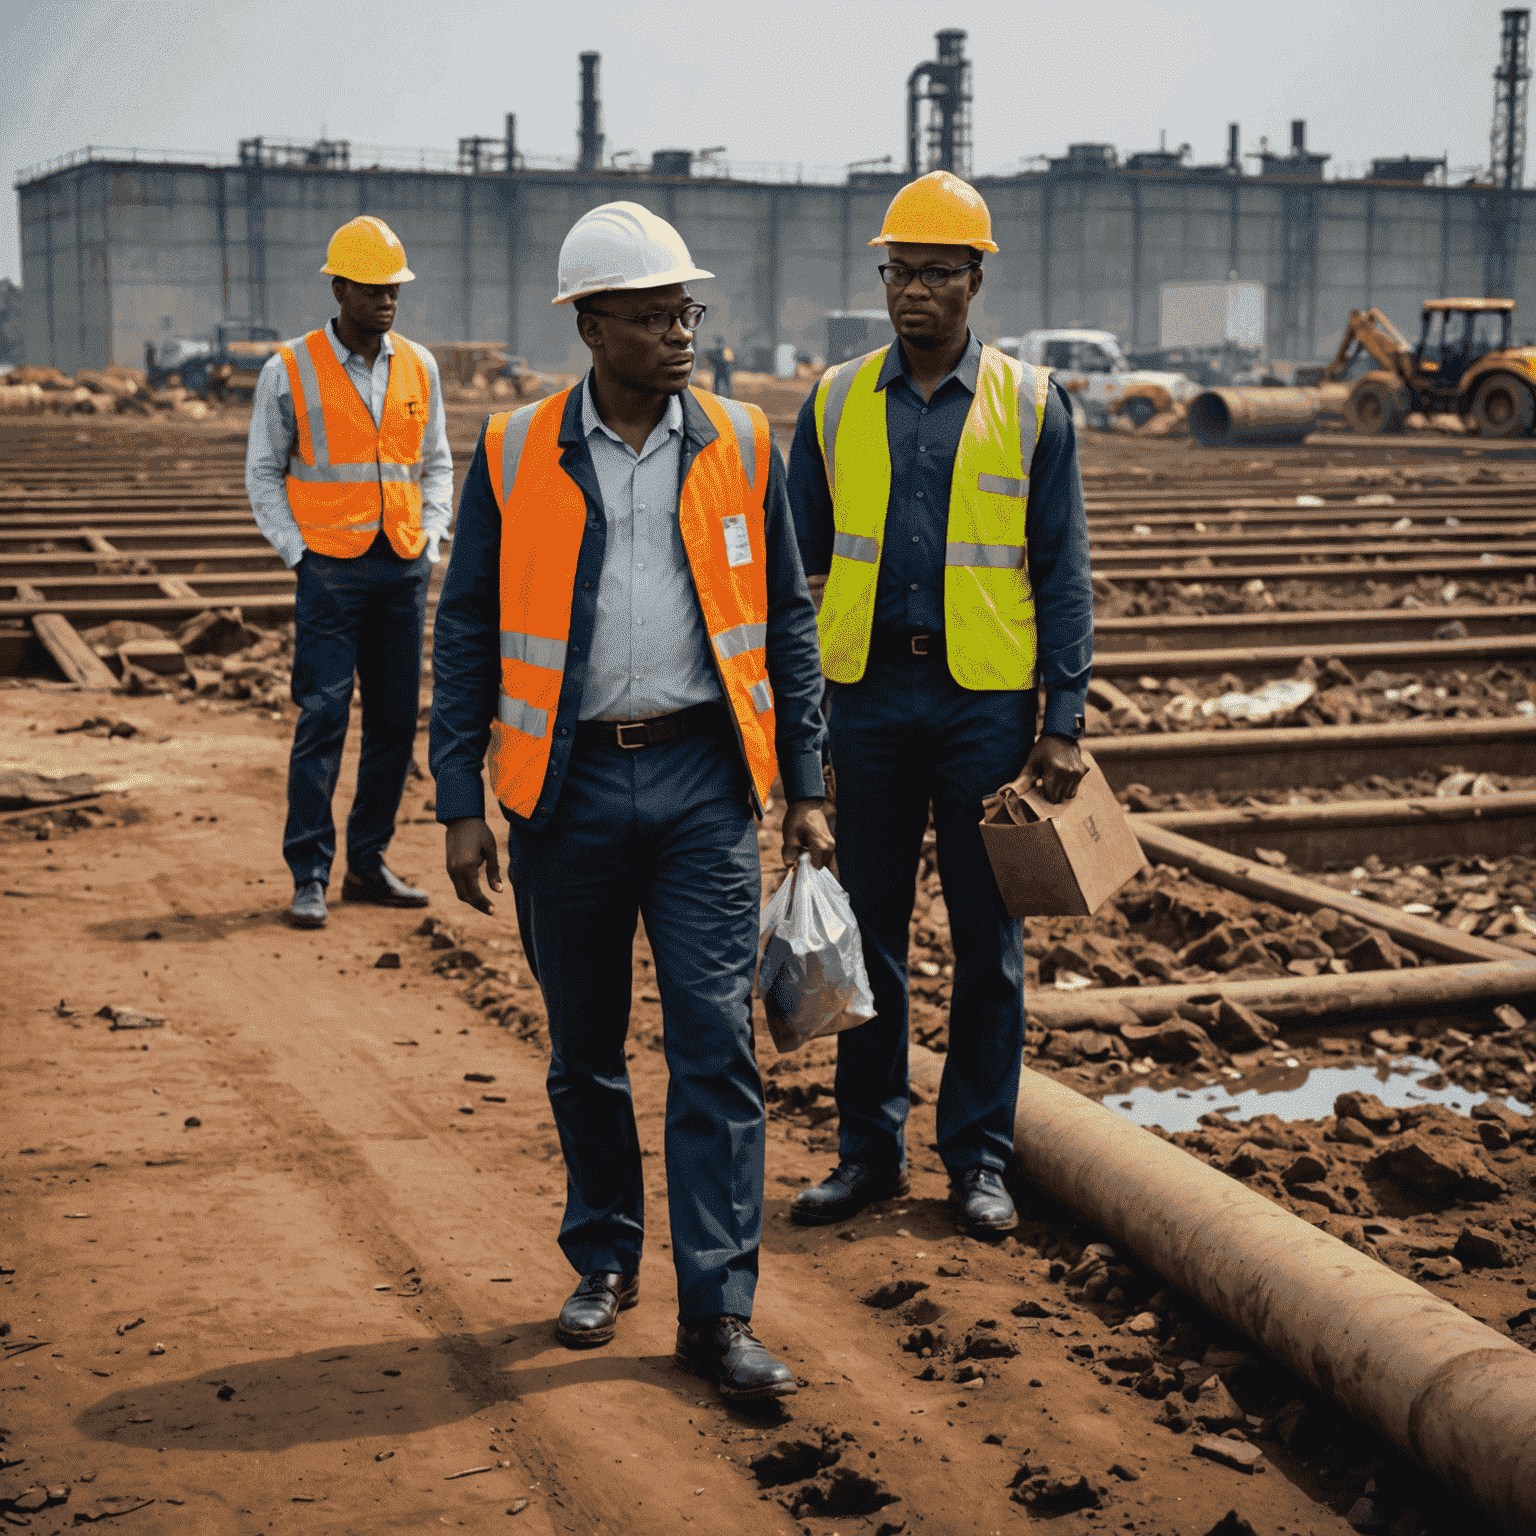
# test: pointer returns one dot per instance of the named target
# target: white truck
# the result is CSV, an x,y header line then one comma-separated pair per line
x,y
1090,365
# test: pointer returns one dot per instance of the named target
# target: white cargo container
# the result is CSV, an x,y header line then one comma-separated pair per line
x,y
1211,315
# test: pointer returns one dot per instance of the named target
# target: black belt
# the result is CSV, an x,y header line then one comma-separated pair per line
x,y
697,720
889,646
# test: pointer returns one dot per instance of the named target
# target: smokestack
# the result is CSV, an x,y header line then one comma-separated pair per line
x,y
1234,154
591,136
511,141
1298,135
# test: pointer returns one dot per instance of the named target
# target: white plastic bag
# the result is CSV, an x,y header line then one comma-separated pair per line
x,y
811,974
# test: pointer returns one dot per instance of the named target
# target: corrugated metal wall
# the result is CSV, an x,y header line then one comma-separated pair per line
x,y
115,255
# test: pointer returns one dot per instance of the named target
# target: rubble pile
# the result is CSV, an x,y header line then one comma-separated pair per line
x,y
1128,596
1330,693
114,389
215,655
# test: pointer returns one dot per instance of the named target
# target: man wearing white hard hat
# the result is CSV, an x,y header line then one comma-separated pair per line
x,y
351,482
627,629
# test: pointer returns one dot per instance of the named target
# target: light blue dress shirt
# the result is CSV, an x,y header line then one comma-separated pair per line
x,y
649,651
273,431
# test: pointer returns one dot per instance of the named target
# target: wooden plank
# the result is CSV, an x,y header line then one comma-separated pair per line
x,y
174,587
76,660
1416,655
1317,630
98,542
99,610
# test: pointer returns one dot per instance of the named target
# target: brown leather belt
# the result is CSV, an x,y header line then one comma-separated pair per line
x,y
889,647
698,720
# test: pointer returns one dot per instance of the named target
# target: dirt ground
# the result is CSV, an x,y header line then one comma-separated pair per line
x,y
357,1166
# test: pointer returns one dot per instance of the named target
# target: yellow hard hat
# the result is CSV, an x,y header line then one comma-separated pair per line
x,y
367,250
937,209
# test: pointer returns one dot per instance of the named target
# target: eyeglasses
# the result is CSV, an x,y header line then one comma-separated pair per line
x,y
659,321
897,276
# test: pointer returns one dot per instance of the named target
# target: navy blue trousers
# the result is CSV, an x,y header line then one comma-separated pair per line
x,y
904,736
361,617
666,834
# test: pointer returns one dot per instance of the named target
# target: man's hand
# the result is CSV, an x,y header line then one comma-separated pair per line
x,y
1057,763
469,844
806,831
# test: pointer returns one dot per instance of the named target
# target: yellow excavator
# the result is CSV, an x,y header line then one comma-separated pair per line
x,y
1463,365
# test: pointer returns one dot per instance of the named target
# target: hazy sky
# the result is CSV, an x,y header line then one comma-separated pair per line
x,y
814,81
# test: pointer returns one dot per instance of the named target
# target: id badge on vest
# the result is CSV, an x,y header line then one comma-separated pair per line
x,y
738,542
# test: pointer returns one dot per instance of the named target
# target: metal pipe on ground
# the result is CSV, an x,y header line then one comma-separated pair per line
x,y
1440,1385
1298,894
1299,999
1400,831
1226,418
1282,757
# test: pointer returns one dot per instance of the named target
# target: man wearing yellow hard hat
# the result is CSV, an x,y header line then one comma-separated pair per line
x,y
936,483
351,482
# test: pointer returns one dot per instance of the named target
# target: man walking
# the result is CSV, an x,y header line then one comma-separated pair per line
x,y
937,482
351,482
722,360
626,625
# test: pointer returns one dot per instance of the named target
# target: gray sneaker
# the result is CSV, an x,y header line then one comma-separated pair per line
x,y
308,909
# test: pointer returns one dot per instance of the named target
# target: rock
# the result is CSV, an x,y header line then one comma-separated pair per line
x,y
1367,1109
1135,1361
1492,1135
1124,1473
1175,1414
1516,1126
1216,1409
216,632
1176,1041
1440,1269
972,1374
1031,1308
1093,1045
1156,1383
1060,1494
1507,1016
1246,1161
929,1338
987,1346
1240,1028
443,937
893,1293
1237,1454
1143,1326
457,960
1353,1134
1375,952
1441,1166
1478,1248
1205,951
31,1501
130,1018
1306,1169
388,961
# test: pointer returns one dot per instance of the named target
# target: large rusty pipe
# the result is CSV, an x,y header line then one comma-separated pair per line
x,y
1225,418
1445,1388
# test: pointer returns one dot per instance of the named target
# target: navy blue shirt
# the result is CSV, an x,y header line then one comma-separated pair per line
x,y
466,633
924,437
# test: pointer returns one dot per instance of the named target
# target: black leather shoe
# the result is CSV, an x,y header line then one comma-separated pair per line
x,y
986,1207
383,888
591,1312
846,1191
725,1351
308,909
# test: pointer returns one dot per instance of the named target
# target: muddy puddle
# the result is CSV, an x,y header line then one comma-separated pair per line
x,y
1298,1093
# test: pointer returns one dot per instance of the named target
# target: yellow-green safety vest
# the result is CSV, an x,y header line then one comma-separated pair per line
x,y
989,609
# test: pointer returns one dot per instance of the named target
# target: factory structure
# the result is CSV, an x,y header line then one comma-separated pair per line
x,y
120,248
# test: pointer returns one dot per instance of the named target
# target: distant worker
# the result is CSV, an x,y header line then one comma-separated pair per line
x,y
937,482
626,626
722,360
351,482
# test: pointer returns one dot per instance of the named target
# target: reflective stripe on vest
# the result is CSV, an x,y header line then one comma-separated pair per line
x,y
346,477
988,608
543,515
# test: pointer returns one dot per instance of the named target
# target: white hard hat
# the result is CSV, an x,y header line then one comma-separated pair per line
x,y
622,245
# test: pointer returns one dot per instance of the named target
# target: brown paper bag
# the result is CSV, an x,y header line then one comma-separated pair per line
x,y
1061,860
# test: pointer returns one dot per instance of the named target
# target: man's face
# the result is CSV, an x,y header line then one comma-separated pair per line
x,y
628,352
927,317
369,306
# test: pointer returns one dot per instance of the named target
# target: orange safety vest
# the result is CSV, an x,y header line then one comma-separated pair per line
x,y
543,514
346,477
